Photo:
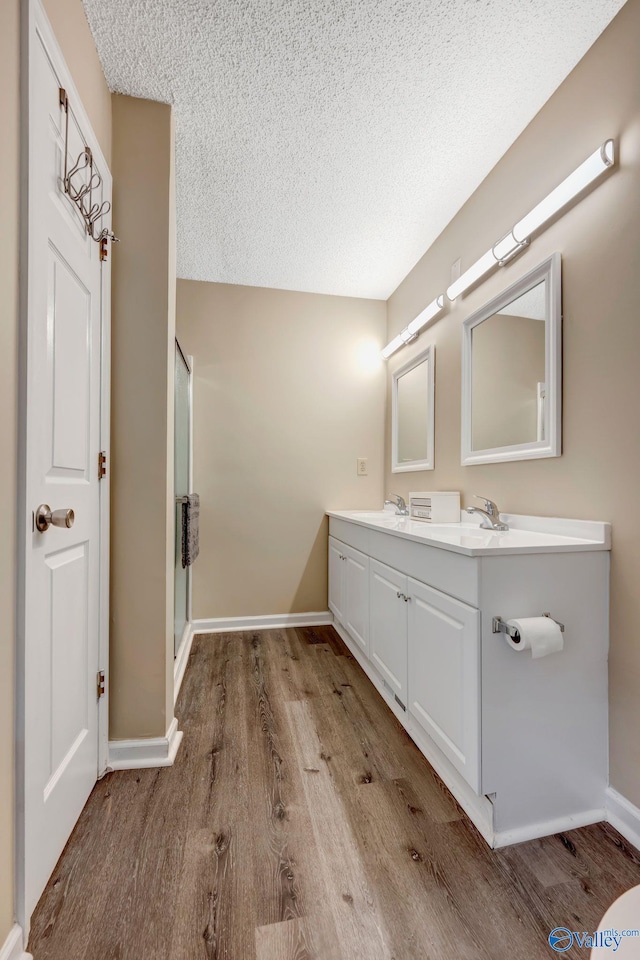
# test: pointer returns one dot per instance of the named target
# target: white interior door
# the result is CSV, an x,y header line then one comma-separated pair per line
x,y
62,565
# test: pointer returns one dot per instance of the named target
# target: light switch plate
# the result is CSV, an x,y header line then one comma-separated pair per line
x,y
361,467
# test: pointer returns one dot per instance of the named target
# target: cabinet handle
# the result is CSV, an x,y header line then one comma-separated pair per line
x,y
403,596
406,598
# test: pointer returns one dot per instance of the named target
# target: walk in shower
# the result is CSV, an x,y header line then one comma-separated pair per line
x,y
182,463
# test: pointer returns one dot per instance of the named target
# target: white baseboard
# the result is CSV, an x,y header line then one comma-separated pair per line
x,y
271,621
547,828
624,816
146,752
12,948
182,658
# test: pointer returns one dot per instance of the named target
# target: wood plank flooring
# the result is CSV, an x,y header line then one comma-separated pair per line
x,y
299,822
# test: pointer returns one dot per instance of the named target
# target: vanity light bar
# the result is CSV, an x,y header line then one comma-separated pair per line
x,y
583,176
411,331
392,346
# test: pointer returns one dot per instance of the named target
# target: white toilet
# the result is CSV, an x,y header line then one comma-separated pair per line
x,y
622,915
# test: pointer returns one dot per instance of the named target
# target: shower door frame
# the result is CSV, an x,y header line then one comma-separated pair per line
x,y
184,648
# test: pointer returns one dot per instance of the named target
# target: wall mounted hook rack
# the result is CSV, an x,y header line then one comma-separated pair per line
x,y
80,190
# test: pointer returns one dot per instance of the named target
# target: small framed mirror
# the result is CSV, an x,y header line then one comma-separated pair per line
x,y
412,414
512,371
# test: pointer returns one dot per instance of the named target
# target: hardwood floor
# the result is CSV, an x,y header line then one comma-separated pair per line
x,y
299,821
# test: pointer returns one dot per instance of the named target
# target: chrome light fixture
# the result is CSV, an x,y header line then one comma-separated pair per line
x,y
519,237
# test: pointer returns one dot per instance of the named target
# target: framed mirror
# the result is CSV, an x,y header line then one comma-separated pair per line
x,y
512,371
412,414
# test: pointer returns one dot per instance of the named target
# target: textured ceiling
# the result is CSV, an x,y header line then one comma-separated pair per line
x,y
323,145
532,304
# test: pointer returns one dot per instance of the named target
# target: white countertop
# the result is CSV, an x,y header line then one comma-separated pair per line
x,y
525,534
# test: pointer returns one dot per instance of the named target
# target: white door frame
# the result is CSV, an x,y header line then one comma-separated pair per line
x,y
35,24
182,655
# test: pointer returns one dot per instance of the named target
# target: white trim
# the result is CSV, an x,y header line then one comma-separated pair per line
x,y
547,828
427,356
624,816
182,659
12,948
145,752
191,490
550,270
270,621
479,809
105,501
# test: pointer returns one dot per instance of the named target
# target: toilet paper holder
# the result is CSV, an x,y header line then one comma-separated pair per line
x,y
501,626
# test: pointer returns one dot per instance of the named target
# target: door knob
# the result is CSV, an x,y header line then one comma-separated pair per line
x,y
45,517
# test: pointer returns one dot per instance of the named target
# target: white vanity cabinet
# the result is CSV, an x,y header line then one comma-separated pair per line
x,y
389,600
426,646
349,590
520,742
443,644
336,579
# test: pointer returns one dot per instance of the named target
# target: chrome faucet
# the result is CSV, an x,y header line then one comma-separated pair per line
x,y
490,515
398,502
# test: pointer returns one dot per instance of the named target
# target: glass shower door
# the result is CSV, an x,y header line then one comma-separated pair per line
x,y
182,451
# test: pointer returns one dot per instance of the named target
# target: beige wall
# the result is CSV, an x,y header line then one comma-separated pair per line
x,y
143,334
597,476
289,391
71,29
9,157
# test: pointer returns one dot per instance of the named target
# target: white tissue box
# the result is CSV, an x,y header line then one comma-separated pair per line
x,y
439,506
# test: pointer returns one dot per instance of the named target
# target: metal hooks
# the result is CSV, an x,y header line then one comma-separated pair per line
x,y
82,193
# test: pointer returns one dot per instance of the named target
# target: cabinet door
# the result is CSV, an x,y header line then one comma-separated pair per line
x,y
336,579
356,602
444,675
388,625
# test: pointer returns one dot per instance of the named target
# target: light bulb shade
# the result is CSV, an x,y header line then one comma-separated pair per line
x,y
475,272
584,175
506,248
391,347
429,313
412,329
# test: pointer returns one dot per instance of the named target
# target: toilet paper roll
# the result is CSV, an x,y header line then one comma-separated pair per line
x,y
541,635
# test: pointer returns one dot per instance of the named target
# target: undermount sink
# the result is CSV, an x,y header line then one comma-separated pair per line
x,y
381,516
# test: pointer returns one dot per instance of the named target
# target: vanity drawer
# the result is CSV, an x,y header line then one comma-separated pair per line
x,y
451,573
350,533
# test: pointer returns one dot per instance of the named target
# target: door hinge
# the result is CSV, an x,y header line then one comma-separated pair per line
x,y
102,465
100,683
